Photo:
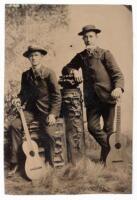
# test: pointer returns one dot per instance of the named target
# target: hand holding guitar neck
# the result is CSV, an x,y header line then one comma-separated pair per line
x,y
116,93
16,102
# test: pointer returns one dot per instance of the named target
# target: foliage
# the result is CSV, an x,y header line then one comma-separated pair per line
x,y
27,25
9,114
9,109
16,13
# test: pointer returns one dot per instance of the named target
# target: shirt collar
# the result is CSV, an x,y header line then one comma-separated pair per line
x,y
37,71
94,52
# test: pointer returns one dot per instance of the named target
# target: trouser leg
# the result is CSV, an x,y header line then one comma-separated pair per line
x,y
94,127
47,144
16,131
108,114
46,138
16,139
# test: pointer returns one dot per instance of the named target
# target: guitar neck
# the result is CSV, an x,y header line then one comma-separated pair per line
x,y
118,121
25,127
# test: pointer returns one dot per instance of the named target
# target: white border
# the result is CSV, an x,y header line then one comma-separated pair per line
x,y
2,62
124,2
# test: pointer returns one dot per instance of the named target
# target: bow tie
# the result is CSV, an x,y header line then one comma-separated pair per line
x,y
91,51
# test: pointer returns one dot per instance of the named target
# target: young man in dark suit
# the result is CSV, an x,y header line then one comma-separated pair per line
x,y
40,97
103,83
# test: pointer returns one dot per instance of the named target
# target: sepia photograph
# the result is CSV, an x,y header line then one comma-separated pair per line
x,y
68,99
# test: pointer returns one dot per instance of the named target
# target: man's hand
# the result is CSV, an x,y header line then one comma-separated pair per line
x,y
51,119
116,93
16,102
76,75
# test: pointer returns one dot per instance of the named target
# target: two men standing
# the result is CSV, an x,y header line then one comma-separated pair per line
x,y
103,83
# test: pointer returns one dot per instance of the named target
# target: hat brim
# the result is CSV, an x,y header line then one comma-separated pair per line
x,y
90,30
27,53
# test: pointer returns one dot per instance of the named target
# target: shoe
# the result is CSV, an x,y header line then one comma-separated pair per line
x,y
13,170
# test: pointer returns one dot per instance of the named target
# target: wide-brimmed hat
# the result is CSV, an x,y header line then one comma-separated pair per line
x,y
89,28
33,49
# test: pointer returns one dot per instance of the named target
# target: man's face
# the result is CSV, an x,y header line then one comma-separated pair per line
x,y
35,58
90,38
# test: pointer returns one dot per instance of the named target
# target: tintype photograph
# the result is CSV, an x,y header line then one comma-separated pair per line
x,y
68,93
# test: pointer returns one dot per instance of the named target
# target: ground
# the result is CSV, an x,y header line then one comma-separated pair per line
x,y
87,177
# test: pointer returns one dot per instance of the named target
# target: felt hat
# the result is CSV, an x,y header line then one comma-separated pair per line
x,y
89,28
34,49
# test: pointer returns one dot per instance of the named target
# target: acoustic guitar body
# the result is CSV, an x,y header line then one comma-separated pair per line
x,y
116,155
34,166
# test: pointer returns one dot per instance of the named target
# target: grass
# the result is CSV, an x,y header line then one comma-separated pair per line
x,y
87,177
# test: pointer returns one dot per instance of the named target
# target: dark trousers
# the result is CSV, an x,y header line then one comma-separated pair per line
x,y
16,131
94,112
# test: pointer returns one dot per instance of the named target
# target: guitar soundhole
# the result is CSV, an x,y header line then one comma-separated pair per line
x,y
32,153
118,145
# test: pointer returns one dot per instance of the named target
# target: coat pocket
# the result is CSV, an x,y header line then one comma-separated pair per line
x,y
103,92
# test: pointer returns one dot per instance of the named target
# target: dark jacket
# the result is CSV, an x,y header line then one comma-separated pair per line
x,y
40,93
101,74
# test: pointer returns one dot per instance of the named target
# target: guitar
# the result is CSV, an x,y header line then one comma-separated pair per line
x,y
34,166
117,141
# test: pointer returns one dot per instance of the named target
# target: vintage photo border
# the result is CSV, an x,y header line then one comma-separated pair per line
x,y
2,63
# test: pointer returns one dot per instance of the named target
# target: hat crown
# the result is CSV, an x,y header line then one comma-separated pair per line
x,y
30,47
34,49
89,27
